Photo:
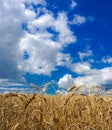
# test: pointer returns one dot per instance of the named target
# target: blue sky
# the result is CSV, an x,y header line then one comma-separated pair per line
x,y
62,42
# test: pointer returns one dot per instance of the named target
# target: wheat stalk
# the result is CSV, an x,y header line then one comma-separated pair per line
x,y
71,88
35,86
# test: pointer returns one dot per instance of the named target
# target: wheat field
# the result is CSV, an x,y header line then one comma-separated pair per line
x,y
20,111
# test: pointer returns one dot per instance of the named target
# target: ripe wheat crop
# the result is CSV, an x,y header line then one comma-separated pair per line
x,y
55,112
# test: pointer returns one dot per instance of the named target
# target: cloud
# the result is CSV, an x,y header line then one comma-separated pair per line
x,y
41,23
73,4
66,81
7,85
65,34
87,54
63,59
35,2
100,77
11,19
42,37
30,15
107,59
80,68
43,47
11,33
42,53
78,20
58,26
7,82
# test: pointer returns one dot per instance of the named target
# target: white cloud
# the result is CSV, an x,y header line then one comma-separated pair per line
x,y
7,85
7,82
100,77
43,40
31,15
41,23
63,59
43,52
73,4
88,53
61,92
42,46
36,2
65,34
80,68
11,19
107,59
58,25
66,81
78,20
91,60
11,33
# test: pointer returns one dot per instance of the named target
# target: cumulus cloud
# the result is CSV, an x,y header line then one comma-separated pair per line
x,y
42,53
30,15
41,23
11,19
45,51
61,26
57,25
12,16
66,81
100,77
36,45
42,37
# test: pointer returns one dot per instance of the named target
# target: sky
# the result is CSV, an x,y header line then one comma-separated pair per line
x,y
64,42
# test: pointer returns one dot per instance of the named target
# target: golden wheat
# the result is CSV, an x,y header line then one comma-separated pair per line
x,y
74,111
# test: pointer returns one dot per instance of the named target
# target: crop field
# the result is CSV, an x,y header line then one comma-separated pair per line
x,y
19,111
